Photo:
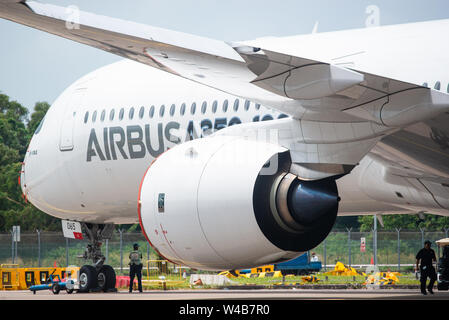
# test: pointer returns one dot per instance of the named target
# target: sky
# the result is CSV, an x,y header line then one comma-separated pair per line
x,y
36,66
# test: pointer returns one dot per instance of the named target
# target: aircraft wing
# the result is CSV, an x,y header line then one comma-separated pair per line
x,y
294,85
337,114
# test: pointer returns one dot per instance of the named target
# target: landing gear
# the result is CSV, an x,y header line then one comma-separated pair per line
x,y
106,278
87,278
97,276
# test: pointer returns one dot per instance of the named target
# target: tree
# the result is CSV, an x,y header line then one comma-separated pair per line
x,y
15,133
406,222
40,109
342,223
8,155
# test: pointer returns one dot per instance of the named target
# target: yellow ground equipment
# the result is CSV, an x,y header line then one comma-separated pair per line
x,y
15,278
383,278
267,268
344,270
263,272
231,274
259,272
310,279
272,274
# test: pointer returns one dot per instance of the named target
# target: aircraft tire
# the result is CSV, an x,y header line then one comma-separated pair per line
x,y
87,278
106,278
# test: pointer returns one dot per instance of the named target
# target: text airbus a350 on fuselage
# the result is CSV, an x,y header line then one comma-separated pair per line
x,y
232,155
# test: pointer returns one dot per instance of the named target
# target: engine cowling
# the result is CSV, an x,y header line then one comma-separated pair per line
x,y
224,203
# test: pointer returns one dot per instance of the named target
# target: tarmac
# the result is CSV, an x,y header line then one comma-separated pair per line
x,y
234,294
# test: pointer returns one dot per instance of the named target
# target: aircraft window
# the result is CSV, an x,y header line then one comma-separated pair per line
x,y
448,88
257,106
162,111
172,110
120,115
94,116
152,112
103,115
236,104
193,108
86,116
425,84
267,117
438,86
247,105
225,106
131,113
204,107
111,115
141,112
214,106
183,109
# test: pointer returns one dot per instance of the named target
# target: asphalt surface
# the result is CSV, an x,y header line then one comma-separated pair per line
x,y
264,294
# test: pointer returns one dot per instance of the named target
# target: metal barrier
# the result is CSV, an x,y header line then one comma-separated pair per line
x,y
15,278
9,277
158,268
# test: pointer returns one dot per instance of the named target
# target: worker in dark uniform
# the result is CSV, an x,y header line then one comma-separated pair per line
x,y
424,260
135,267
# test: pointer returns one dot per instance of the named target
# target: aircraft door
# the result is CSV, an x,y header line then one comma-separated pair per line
x,y
68,123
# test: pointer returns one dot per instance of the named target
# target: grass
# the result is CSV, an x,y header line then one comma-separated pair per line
x,y
175,283
404,279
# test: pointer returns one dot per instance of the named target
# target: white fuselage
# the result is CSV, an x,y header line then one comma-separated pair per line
x,y
99,137
90,170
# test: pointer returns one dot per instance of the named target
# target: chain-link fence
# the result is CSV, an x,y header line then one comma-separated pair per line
x,y
396,249
44,249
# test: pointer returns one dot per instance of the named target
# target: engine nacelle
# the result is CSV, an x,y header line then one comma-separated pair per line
x,y
223,203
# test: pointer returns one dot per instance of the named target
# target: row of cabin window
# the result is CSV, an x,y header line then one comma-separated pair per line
x,y
182,110
436,87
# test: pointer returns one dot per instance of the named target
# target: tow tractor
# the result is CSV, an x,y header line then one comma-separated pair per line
x,y
55,284
443,264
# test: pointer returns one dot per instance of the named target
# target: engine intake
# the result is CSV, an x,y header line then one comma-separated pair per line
x,y
294,214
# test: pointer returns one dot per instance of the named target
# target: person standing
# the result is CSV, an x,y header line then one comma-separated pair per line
x,y
424,263
135,267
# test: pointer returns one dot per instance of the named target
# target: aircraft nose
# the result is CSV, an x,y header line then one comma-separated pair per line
x,y
33,166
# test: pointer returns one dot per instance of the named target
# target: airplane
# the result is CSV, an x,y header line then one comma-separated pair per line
x,y
232,155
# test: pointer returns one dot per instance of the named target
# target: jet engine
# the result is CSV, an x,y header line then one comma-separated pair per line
x,y
223,203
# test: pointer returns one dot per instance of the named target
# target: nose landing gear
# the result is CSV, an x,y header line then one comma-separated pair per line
x,y
98,276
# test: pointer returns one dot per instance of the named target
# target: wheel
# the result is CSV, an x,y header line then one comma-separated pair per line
x,y
69,286
106,278
87,278
55,288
